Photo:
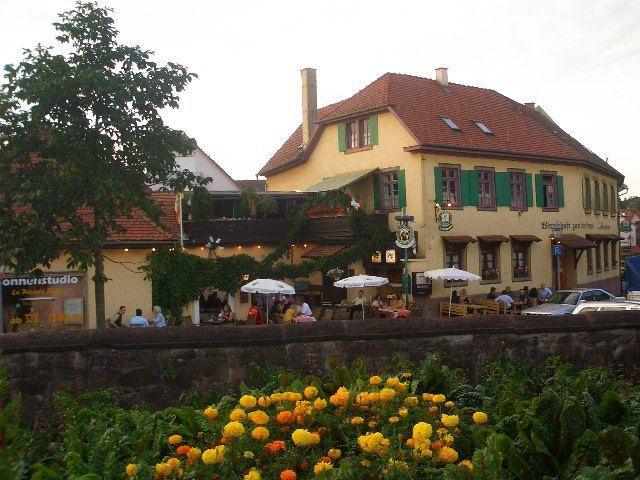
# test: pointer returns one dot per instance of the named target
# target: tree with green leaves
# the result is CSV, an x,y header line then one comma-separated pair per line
x,y
81,139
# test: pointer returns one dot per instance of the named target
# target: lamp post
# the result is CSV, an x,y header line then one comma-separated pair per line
x,y
405,239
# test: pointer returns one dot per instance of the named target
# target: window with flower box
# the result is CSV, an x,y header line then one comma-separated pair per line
x,y
490,262
521,261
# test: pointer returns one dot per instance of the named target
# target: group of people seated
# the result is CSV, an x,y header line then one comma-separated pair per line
x,y
527,297
360,302
291,309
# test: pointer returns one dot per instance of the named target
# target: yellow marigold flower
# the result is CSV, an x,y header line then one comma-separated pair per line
x,y
406,375
264,401
311,392
401,387
466,464
357,421
175,439
447,455
449,420
448,440
258,417
334,454
131,469
194,453
210,456
340,398
393,419
439,398
375,380
374,443
276,397
319,404
248,401
252,475
411,401
304,438
392,382
403,412
164,469
362,398
211,413
174,462
260,433
387,394
322,467
427,397
233,430
237,415
449,404
433,409
248,455
480,418
422,431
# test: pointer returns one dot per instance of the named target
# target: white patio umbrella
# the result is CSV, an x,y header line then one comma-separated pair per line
x,y
451,274
361,281
269,287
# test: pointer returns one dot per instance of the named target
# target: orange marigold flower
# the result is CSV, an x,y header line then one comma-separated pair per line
x,y
288,475
285,417
326,460
183,450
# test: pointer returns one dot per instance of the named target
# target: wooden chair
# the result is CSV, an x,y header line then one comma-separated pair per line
x,y
457,310
491,306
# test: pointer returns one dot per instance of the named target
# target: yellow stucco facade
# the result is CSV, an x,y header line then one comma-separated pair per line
x,y
326,160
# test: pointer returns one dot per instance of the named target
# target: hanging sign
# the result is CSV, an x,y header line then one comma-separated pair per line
x,y
625,226
405,238
445,221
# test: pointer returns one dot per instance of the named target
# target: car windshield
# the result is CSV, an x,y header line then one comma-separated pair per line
x,y
565,298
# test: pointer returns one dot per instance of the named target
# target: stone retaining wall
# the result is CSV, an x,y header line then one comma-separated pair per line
x,y
158,365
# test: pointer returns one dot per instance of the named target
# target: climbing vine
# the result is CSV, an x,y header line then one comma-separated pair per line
x,y
179,277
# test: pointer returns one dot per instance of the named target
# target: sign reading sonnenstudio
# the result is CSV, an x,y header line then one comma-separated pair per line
x,y
51,301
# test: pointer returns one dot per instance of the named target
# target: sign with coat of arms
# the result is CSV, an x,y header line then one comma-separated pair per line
x,y
405,238
445,221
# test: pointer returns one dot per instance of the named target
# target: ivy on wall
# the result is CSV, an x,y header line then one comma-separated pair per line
x,y
178,277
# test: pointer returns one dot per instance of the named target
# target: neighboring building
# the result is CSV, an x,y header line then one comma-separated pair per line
x,y
487,179
65,298
204,166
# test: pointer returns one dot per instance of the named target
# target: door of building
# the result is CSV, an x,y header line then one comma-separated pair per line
x,y
330,293
568,276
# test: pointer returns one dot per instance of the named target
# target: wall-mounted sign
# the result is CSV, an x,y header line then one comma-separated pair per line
x,y
405,237
421,285
625,226
376,257
445,221
574,226
390,256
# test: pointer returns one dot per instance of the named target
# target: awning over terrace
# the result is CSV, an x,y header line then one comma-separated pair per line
x,y
339,181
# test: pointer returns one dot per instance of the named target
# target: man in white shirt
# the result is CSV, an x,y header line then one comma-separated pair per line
x,y
138,321
544,293
358,304
504,298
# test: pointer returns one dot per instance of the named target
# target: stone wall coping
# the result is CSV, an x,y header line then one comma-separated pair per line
x,y
343,330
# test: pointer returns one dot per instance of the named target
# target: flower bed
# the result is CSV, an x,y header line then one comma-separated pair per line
x,y
381,428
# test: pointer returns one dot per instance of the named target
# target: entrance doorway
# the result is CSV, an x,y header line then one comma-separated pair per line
x,y
568,262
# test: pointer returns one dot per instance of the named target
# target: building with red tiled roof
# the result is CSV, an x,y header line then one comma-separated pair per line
x,y
492,184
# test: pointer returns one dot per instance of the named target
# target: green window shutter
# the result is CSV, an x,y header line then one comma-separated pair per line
x,y
376,190
473,187
529,185
373,129
437,174
560,183
503,189
237,209
539,191
464,186
342,138
402,189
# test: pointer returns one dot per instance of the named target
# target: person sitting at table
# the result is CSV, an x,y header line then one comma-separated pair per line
x,y
455,298
544,293
492,295
303,307
504,298
524,296
464,296
290,313
377,302
397,303
533,295
226,315
358,304
507,291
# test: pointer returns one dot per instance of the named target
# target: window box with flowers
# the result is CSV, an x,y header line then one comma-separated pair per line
x,y
490,274
521,271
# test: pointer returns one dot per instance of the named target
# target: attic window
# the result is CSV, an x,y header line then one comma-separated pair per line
x,y
483,127
451,123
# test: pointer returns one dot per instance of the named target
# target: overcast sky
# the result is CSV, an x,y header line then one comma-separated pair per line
x,y
578,59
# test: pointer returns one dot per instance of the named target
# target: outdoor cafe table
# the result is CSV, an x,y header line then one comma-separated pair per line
x,y
476,309
401,313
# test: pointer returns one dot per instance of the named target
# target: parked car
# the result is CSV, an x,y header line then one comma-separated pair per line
x,y
564,302
585,307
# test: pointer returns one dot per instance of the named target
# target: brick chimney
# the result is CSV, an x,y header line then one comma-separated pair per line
x,y
309,103
442,77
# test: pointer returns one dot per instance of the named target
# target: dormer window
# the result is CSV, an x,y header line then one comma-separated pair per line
x,y
483,127
358,133
451,123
